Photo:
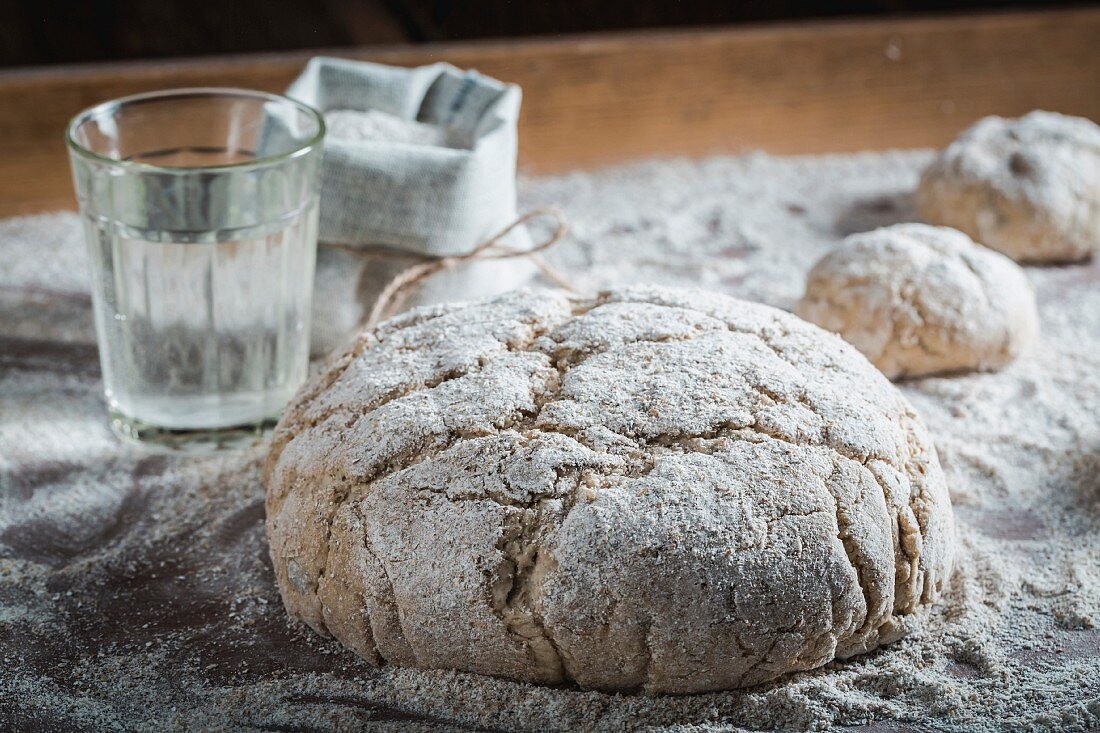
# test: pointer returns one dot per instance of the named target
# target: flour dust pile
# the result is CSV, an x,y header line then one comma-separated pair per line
x,y
377,126
136,592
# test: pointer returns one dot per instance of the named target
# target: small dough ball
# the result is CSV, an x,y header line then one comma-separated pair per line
x,y
920,300
1028,187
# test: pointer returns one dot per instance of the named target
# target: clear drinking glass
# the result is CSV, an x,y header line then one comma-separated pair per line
x,y
200,213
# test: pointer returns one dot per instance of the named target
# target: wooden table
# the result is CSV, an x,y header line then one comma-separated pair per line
x,y
593,100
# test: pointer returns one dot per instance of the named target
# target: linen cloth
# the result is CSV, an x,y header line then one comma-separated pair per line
x,y
417,198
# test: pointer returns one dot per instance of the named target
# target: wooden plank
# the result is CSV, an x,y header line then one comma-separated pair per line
x,y
589,101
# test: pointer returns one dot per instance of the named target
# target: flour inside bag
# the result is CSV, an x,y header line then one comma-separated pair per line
x,y
417,161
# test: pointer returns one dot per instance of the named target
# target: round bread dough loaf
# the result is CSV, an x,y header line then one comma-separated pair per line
x,y
919,300
1028,187
658,490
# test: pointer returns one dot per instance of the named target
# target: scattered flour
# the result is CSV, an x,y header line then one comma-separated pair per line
x,y
136,591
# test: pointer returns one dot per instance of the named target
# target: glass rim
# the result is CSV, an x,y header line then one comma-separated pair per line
x,y
85,115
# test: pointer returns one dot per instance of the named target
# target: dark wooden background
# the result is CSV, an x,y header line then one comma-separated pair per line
x,y
37,32
590,99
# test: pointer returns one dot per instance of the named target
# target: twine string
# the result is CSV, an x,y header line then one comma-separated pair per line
x,y
398,290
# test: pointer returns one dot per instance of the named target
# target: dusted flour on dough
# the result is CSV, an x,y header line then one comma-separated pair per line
x,y
1029,187
605,492
919,300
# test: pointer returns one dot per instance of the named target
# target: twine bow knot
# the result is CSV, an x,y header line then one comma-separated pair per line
x,y
398,289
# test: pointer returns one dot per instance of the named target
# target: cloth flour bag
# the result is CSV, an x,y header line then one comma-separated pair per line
x,y
437,194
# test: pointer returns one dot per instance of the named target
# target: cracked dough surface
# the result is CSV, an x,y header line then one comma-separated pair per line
x,y
659,490
1028,187
919,300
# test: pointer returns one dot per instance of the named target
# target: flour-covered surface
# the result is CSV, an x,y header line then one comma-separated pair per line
x,y
136,591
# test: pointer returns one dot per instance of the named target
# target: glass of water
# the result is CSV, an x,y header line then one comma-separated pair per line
x,y
200,214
